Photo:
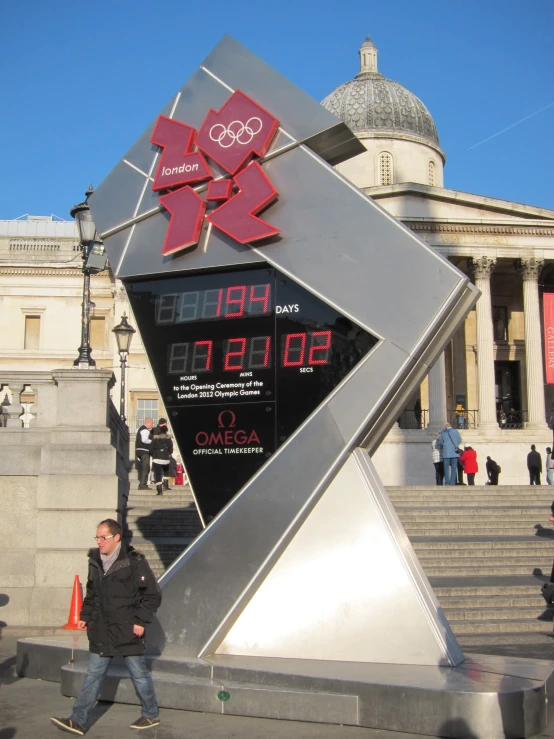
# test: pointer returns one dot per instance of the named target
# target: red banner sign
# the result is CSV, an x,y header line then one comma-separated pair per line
x,y
548,311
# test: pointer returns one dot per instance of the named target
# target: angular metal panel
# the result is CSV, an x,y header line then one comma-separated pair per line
x,y
348,250
358,553
144,243
300,115
263,517
113,208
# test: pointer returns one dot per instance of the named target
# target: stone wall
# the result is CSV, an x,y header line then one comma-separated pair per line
x,y
56,483
404,457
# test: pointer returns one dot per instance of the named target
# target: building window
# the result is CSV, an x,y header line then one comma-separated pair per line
x,y
385,168
431,177
32,332
146,408
97,333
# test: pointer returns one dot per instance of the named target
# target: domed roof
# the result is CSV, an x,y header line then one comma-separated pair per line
x,y
371,103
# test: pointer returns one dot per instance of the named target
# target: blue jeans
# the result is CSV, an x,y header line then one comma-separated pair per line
x,y
97,668
450,470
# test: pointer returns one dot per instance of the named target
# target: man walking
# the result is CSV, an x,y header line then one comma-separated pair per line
x,y
122,598
142,452
534,465
450,441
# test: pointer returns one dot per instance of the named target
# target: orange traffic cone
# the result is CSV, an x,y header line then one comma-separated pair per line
x,y
75,607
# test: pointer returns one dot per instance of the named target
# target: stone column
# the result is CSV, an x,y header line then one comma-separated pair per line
x,y
481,270
437,395
529,269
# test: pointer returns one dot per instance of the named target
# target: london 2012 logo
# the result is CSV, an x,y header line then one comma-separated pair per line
x,y
232,138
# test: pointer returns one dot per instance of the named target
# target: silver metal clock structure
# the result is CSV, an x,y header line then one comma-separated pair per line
x,y
302,598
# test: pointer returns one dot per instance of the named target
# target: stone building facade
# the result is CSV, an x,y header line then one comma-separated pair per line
x,y
41,290
490,381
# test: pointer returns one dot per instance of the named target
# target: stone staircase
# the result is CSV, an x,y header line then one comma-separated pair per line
x,y
486,550
161,527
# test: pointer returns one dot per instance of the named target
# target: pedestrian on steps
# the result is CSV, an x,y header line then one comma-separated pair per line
x,y
171,471
493,471
161,450
142,452
436,451
450,441
549,466
179,473
469,462
534,465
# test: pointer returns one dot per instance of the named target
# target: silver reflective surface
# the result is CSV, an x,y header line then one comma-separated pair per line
x,y
343,586
486,697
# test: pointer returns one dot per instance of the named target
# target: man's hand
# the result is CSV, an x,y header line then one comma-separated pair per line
x,y
138,630
82,625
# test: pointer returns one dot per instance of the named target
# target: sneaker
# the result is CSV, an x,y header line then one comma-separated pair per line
x,y
145,723
67,724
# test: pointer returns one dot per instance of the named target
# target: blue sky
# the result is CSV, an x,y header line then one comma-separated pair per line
x,y
80,82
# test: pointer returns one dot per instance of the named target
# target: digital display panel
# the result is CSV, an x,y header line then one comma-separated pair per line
x,y
241,359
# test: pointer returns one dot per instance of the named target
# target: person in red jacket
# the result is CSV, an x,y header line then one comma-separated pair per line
x,y
469,460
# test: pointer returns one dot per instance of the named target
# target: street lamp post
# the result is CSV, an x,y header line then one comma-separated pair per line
x,y
87,233
94,261
124,335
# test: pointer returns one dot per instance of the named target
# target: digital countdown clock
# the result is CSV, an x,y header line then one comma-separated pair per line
x,y
241,358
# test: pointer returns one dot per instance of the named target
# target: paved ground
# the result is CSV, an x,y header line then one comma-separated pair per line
x,y
26,705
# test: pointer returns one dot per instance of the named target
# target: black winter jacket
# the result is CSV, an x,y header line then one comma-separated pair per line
x,y
162,446
126,595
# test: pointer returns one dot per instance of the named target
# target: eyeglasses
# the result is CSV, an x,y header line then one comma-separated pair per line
x,y
104,538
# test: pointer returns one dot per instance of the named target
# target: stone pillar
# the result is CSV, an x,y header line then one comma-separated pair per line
x,y
529,269
481,270
437,395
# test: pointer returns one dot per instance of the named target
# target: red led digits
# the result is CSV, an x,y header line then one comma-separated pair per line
x,y
263,299
295,348
202,357
323,348
240,353
236,301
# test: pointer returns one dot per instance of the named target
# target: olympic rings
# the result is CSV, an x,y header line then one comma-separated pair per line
x,y
242,133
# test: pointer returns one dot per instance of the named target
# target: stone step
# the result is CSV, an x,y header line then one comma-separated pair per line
x,y
484,569
454,586
429,530
490,556
475,642
493,601
500,626
463,490
447,514
154,520
501,614
422,489
169,532
159,501
463,543
543,505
